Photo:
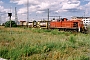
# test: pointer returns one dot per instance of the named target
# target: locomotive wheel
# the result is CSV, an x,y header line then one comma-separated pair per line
x,y
86,31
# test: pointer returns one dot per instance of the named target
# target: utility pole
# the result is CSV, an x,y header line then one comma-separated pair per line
x,y
10,14
59,17
48,20
27,12
48,14
16,18
84,14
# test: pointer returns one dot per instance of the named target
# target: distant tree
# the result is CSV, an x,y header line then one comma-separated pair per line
x,y
13,24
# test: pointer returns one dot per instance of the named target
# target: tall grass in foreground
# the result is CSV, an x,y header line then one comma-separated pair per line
x,y
43,44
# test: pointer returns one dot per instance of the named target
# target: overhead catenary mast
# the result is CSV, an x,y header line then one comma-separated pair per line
x,y
84,14
48,20
16,18
27,12
48,14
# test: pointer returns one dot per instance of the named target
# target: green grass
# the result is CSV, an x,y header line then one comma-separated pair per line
x,y
43,44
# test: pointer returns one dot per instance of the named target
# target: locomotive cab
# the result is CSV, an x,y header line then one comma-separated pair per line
x,y
80,26
64,19
75,24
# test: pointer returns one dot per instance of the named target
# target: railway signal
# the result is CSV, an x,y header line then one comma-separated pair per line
x,y
9,15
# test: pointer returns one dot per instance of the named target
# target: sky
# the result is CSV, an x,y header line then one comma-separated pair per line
x,y
38,9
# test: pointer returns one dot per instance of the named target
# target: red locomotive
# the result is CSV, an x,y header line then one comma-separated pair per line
x,y
65,24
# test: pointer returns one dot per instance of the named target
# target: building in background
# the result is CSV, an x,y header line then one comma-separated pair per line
x,y
86,20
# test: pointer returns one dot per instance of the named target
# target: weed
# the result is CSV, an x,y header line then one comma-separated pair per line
x,y
4,52
72,39
40,44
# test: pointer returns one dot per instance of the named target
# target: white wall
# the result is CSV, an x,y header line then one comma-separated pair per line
x,y
86,21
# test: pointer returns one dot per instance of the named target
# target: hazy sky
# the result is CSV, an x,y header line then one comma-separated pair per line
x,y
38,8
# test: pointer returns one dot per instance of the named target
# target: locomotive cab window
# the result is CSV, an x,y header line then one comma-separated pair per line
x,y
75,24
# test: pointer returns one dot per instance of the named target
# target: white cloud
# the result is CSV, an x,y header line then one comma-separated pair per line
x,y
87,5
86,8
1,2
71,5
86,0
57,6
39,12
3,10
42,5
21,2
22,10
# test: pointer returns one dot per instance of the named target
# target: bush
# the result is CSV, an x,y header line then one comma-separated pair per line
x,y
55,32
89,29
13,24
4,52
